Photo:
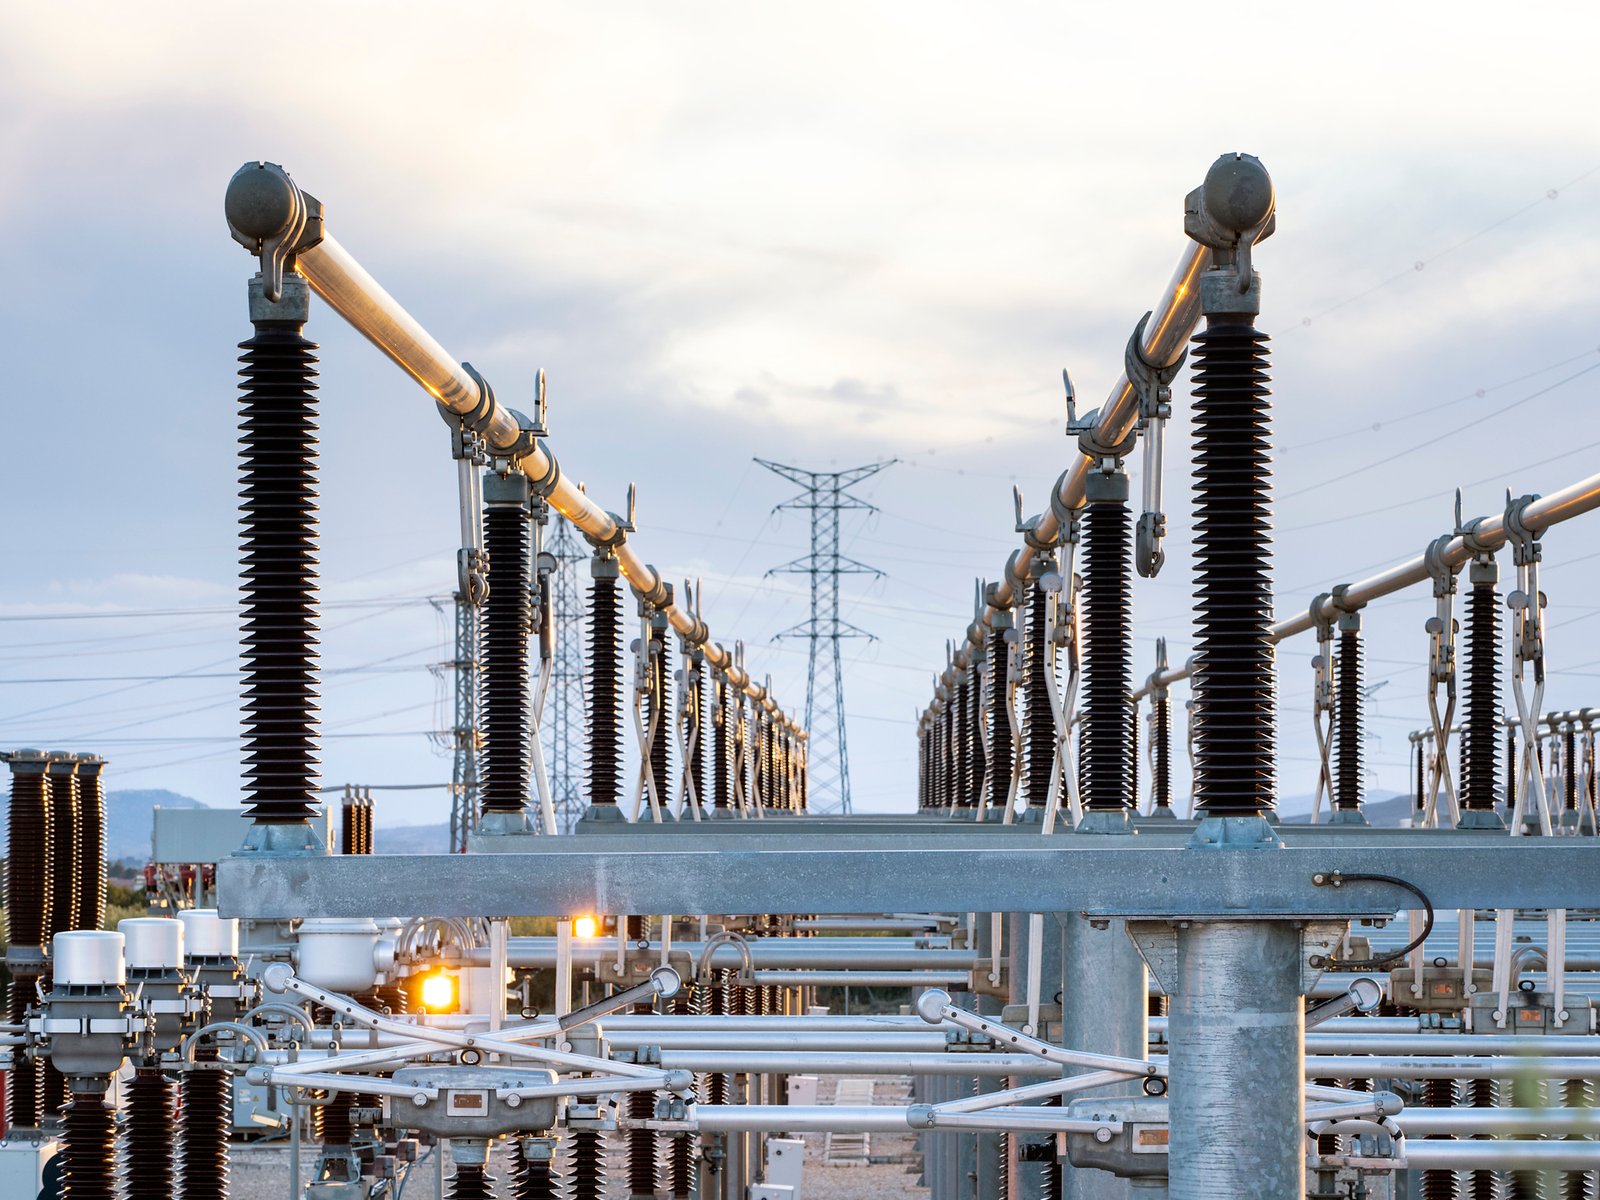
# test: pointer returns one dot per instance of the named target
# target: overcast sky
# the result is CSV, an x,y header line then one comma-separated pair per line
x,y
823,233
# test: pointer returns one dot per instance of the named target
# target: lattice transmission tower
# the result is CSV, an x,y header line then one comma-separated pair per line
x,y
826,495
464,738
566,704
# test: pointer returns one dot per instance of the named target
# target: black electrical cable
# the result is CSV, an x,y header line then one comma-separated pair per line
x,y
278,566
1386,960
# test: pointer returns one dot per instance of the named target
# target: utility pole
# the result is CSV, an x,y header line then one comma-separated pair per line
x,y
566,706
826,495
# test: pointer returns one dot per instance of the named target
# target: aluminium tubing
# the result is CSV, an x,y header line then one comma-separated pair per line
x,y
845,1041
1166,335
852,977
792,953
1496,1155
347,287
801,1118
1571,501
821,1062
1498,1122
1446,1066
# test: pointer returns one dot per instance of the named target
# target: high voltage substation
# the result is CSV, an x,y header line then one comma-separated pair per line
x,y
1110,990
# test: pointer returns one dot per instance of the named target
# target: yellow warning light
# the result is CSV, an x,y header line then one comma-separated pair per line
x,y
439,992
586,927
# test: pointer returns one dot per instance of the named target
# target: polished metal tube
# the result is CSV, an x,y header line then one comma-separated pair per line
x,y
1571,501
1485,1156
820,1062
882,954
348,288
1499,1122
860,978
801,1118
931,1042
1165,336
1447,1066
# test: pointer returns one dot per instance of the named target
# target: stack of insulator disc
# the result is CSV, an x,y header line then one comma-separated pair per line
x,y
151,1136
507,621
1234,729
1347,772
278,502
1040,718
91,912
588,1173
89,1134
605,738
1107,612
471,1182
206,1128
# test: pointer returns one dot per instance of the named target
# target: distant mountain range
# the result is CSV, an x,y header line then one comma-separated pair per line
x,y
128,822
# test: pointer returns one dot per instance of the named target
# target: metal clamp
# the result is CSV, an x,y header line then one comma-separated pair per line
x,y
1443,574
1525,546
476,419
1323,625
1029,527
544,485
1084,429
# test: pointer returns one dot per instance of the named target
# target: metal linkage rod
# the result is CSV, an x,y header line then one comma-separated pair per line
x,y
1487,532
271,217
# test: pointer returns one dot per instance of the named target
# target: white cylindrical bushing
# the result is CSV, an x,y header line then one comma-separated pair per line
x,y
338,953
87,958
206,935
154,943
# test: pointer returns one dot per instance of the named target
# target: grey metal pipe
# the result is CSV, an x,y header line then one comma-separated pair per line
x,y
1488,1156
1499,1122
1166,334
1356,1066
860,978
777,953
1571,501
743,1039
802,1118
1237,1088
821,1062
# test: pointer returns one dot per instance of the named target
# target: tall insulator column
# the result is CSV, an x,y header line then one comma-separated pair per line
x,y
89,1150
507,628
29,917
589,1176
66,889
206,1129
1039,732
1161,735
533,1173
946,793
658,709
91,912
1108,651
721,745
999,764
1348,780
605,713
278,558
1234,730
974,781
1480,732
694,702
